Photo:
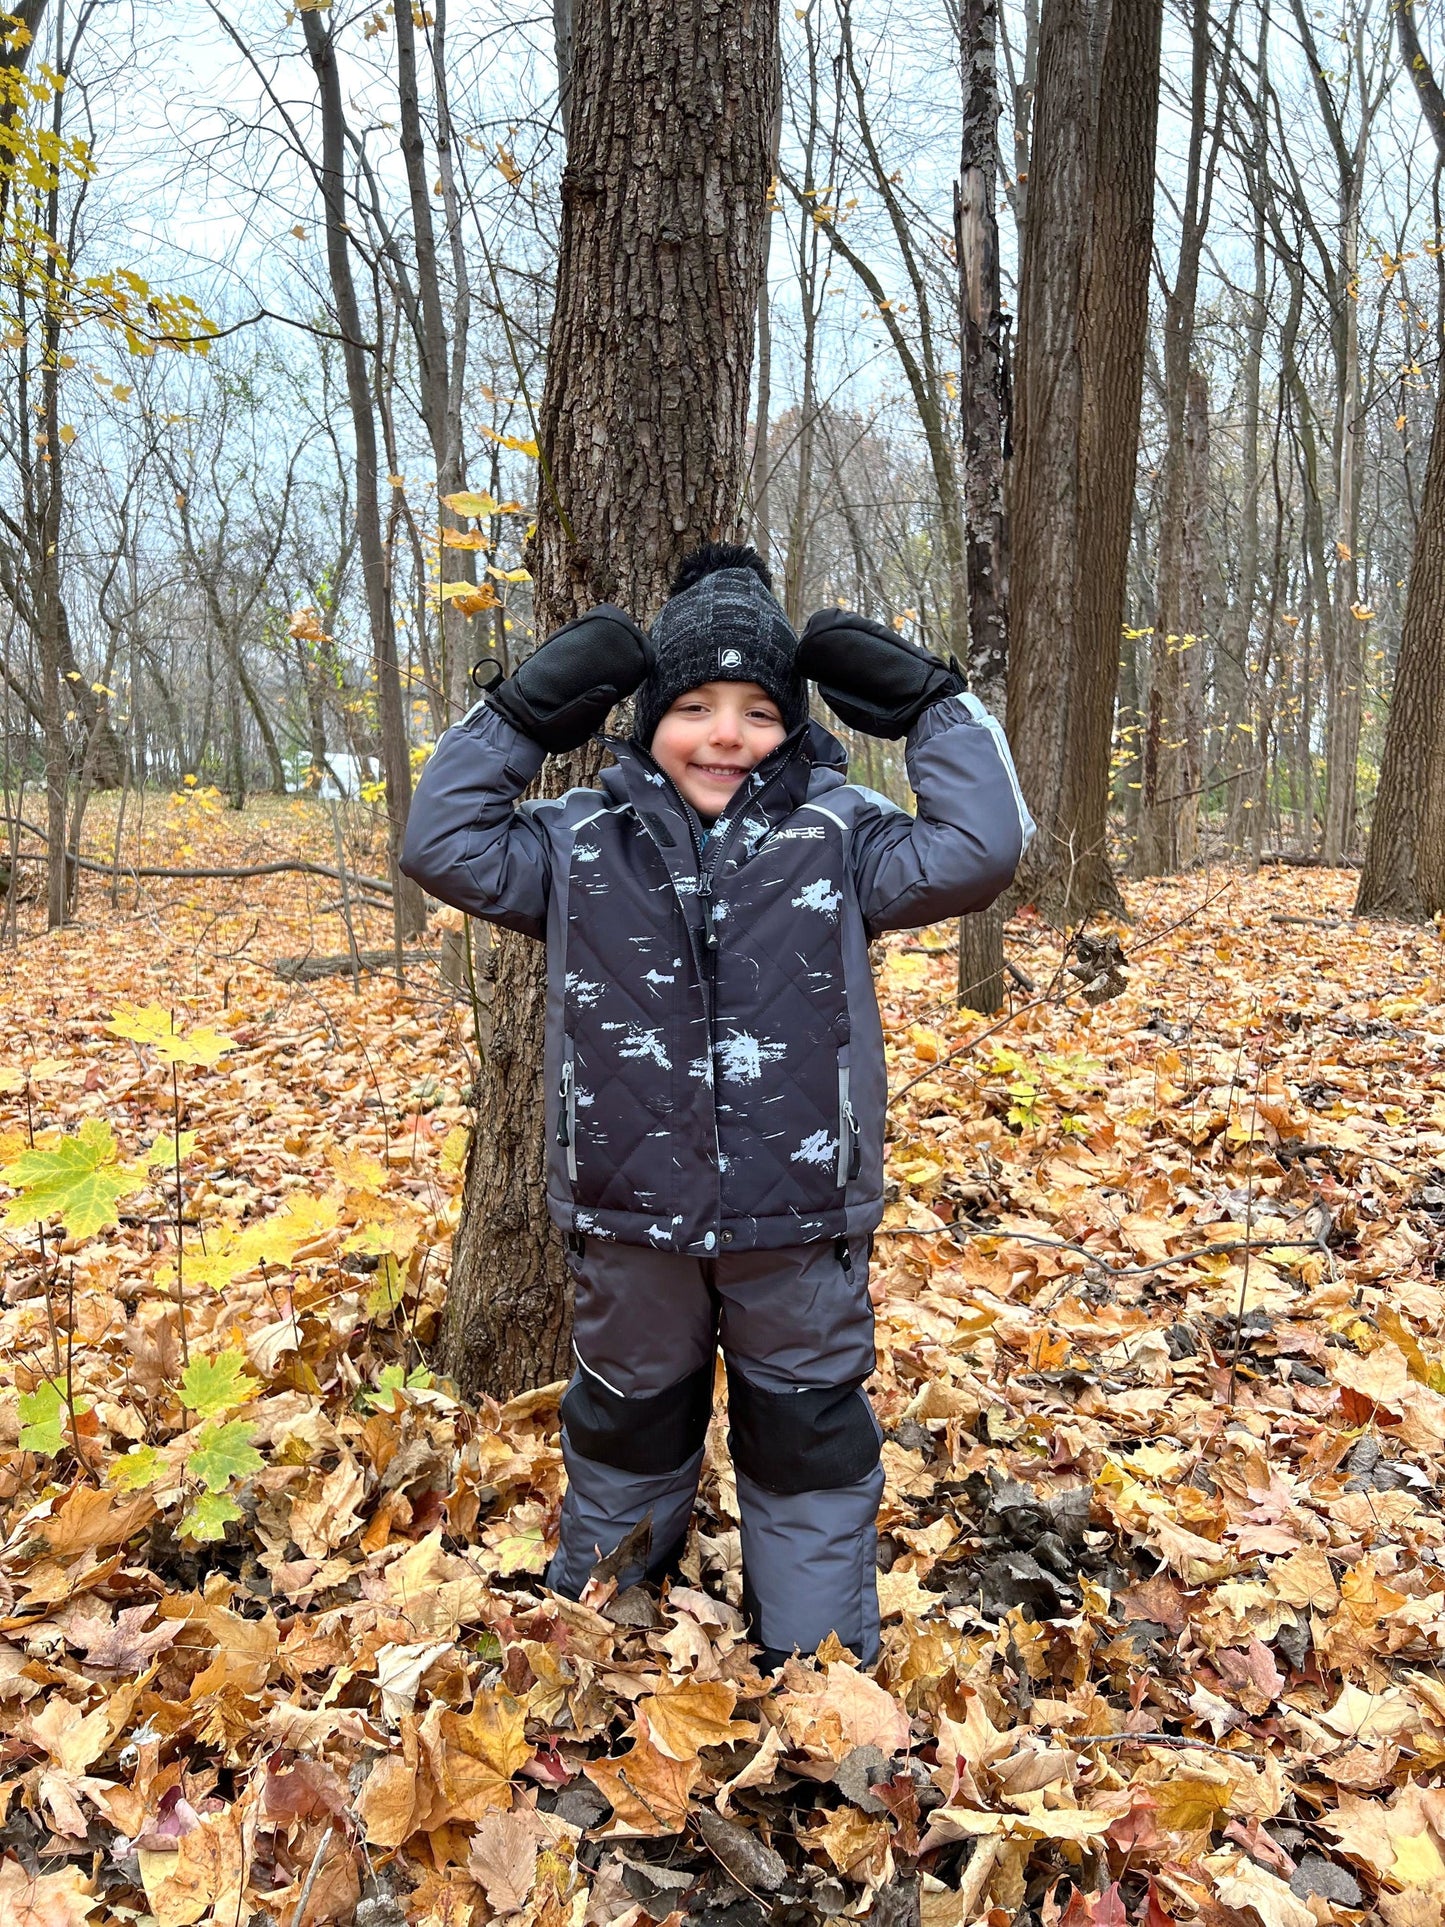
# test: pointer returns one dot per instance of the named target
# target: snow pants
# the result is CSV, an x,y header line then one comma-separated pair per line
x,y
796,1331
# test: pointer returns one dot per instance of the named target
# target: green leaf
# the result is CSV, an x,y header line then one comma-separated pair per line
x,y
223,1453
136,1469
42,1418
394,1379
210,1386
78,1179
208,1518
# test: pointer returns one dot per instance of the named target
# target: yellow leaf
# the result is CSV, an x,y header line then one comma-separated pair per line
x,y
512,441
469,598
465,502
680,1720
1417,1860
67,433
647,1791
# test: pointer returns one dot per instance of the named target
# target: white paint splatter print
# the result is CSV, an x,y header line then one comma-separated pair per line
x,y
741,1056
820,895
581,991
661,1234
817,1149
654,979
638,1041
754,830
701,1069
587,852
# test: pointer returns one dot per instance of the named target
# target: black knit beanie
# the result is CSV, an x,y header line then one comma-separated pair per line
x,y
721,623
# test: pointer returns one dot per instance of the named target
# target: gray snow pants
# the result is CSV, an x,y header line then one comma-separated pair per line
x,y
796,1330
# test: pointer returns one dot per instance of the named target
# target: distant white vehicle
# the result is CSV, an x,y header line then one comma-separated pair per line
x,y
342,775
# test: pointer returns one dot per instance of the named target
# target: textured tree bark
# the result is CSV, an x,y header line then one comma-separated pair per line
x,y
408,902
1169,801
983,387
441,353
644,441
1115,332
1048,402
1404,872
1083,323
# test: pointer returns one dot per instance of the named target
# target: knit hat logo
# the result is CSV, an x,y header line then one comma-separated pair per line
x,y
721,623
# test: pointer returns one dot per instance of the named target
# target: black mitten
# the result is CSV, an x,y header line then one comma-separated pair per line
x,y
869,675
562,694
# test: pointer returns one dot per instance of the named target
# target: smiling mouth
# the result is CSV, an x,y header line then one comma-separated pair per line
x,y
720,772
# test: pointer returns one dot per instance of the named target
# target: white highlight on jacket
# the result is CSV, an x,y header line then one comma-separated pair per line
x,y
817,1149
638,1041
741,1056
823,895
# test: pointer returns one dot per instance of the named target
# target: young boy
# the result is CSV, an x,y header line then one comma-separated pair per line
x,y
714,1069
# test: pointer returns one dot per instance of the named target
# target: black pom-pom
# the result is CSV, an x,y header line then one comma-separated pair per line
x,y
708,557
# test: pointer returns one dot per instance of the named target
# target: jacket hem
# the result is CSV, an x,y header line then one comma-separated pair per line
x,y
658,1232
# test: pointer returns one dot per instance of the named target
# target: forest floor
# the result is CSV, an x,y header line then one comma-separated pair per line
x,y
1162,1374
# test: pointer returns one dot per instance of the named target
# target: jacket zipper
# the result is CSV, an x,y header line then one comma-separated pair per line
x,y
567,1117
850,1148
705,874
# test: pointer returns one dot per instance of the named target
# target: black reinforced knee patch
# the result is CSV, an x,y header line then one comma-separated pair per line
x,y
647,1435
807,1441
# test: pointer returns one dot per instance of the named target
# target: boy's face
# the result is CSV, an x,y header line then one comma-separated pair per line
x,y
711,737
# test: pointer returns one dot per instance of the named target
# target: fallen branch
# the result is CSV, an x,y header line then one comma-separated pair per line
x,y
962,1229
226,876
300,970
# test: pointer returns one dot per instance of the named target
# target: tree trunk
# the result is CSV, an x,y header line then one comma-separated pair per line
x,y
1084,319
1048,401
644,437
1404,873
1168,825
441,360
408,900
983,387
1169,800
1345,664
1115,332
762,459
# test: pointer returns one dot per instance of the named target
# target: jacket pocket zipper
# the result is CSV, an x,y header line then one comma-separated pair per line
x,y
850,1148
567,1117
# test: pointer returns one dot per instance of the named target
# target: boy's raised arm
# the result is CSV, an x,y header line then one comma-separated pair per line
x,y
466,841
963,847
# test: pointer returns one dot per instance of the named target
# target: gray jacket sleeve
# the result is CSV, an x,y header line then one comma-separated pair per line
x,y
466,841
962,848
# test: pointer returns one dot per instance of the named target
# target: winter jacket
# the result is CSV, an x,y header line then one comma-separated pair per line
x,y
714,1062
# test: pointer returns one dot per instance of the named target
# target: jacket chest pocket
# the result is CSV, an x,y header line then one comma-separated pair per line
x,y
567,1108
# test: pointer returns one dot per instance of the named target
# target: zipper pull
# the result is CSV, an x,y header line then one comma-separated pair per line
x,y
704,897
855,1143
562,1137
